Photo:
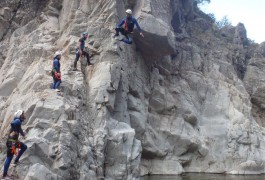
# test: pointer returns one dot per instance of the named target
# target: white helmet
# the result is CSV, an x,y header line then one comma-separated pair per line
x,y
18,113
57,53
129,11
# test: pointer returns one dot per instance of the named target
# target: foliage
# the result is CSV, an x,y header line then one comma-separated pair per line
x,y
202,1
224,22
212,16
220,24
251,41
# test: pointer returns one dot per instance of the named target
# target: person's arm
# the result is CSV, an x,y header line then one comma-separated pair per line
x,y
80,50
121,23
20,130
138,27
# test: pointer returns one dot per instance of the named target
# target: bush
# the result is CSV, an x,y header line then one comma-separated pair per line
x,y
202,1
223,23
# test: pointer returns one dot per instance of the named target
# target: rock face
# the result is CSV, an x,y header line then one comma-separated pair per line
x,y
186,98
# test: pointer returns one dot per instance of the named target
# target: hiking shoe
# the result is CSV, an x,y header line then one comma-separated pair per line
x,y
75,69
88,64
116,35
15,163
57,90
119,38
7,177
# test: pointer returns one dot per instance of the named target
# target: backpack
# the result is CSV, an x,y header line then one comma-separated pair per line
x,y
53,72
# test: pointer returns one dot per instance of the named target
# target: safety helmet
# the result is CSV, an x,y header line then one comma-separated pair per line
x,y
57,53
128,11
84,34
18,113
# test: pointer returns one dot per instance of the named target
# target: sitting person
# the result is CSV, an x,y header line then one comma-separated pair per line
x,y
129,21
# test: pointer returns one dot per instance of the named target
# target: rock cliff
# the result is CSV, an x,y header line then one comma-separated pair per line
x,y
186,98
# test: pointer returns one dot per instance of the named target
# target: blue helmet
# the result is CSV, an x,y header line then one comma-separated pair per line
x,y
84,34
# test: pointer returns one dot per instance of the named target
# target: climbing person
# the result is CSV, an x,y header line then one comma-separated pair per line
x,y
13,143
56,72
128,22
80,50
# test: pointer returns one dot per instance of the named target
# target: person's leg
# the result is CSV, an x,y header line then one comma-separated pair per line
x,y
127,40
117,31
54,83
23,148
120,30
9,158
76,59
87,57
57,84
123,31
7,164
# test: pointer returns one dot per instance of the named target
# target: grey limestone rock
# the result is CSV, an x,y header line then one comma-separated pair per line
x,y
185,98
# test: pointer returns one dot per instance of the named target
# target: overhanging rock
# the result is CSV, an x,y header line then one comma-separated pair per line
x,y
158,38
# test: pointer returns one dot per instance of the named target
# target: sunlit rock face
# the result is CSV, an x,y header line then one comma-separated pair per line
x,y
188,97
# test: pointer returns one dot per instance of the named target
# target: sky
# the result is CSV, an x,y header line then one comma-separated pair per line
x,y
249,12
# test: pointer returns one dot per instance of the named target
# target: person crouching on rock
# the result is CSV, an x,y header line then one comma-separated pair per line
x,y
13,143
80,51
128,22
56,72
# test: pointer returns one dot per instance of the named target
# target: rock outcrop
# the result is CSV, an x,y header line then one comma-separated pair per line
x,y
186,98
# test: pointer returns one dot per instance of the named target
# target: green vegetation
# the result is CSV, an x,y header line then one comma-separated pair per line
x,y
224,22
202,1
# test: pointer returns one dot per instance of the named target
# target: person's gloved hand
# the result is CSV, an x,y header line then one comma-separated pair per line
x,y
141,34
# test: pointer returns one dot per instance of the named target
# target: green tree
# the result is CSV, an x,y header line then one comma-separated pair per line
x,y
223,22
202,1
212,16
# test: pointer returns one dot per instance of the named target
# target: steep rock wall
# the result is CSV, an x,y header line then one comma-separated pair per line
x,y
172,102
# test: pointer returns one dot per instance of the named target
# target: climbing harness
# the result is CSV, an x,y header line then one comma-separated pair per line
x,y
15,145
